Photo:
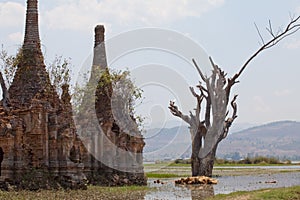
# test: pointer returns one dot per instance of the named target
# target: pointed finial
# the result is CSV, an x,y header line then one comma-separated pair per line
x,y
99,34
32,45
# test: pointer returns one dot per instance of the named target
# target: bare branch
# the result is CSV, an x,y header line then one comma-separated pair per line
x,y
283,38
207,97
227,113
258,31
212,63
202,89
199,101
291,28
234,107
207,111
199,71
193,92
230,120
5,94
176,112
270,30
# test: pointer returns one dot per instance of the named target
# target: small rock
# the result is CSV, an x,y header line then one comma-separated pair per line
x,y
274,181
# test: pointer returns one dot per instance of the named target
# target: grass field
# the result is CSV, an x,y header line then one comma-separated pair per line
x,y
160,171
93,192
137,193
169,170
291,193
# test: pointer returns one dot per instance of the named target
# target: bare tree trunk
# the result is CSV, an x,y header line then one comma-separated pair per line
x,y
216,92
201,166
207,163
5,94
196,146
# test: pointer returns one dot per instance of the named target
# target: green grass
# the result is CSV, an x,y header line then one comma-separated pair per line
x,y
245,165
179,165
291,193
163,175
93,192
174,170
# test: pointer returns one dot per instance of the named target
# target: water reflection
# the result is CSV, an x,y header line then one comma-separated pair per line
x,y
226,184
199,192
170,190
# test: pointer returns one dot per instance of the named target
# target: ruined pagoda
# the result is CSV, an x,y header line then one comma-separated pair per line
x,y
40,146
38,139
115,148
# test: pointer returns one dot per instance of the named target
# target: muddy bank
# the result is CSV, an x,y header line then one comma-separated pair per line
x,y
226,184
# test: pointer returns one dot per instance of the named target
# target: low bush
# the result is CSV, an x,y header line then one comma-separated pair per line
x,y
261,160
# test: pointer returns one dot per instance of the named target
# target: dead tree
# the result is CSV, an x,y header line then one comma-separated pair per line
x,y
5,94
214,93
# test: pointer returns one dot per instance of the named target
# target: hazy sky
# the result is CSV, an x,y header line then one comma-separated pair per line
x,y
268,89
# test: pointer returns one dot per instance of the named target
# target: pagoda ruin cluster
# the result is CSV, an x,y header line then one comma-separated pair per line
x,y
42,147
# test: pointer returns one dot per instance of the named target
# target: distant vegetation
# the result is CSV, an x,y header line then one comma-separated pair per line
x,y
182,161
256,160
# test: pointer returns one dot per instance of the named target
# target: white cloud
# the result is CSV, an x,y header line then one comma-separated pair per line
x,y
11,14
82,14
16,37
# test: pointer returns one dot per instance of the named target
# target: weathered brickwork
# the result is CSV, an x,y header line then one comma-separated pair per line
x,y
39,143
116,153
37,135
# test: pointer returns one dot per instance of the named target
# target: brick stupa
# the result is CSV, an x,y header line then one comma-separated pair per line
x,y
37,134
116,146
39,144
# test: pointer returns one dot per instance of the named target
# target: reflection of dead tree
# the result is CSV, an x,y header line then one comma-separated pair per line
x,y
215,92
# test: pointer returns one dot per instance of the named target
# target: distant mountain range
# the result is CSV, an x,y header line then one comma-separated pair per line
x,y
280,139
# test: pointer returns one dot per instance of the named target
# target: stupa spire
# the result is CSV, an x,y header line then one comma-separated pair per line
x,y
99,35
99,59
31,77
32,45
